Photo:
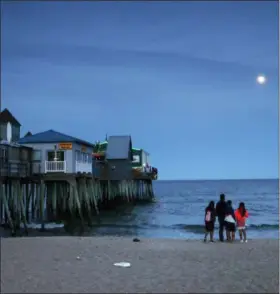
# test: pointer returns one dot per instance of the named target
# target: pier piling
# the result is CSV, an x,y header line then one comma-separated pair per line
x,y
67,198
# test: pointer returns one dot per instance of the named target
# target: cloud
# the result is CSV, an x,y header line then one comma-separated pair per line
x,y
180,86
72,55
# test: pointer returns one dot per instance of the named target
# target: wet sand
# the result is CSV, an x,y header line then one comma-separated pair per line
x,y
85,265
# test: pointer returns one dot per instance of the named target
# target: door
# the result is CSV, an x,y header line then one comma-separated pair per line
x,y
59,155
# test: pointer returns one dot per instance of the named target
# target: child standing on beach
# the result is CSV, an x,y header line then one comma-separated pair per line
x,y
230,222
241,214
210,217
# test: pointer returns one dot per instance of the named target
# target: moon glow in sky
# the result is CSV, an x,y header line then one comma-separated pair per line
x,y
261,79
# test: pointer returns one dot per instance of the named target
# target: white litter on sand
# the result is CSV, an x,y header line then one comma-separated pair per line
x,y
122,264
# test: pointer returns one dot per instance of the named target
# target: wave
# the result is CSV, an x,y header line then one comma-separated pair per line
x,y
265,226
193,228
200,228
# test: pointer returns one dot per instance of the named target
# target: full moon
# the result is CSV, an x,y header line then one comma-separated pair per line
x,y
261,79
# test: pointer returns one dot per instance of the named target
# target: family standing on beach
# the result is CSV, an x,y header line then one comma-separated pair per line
x,y
228,220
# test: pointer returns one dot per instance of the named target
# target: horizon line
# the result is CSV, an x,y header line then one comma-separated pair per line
x,y
243,179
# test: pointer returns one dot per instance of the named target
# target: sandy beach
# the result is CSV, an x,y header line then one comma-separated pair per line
x,y
86,265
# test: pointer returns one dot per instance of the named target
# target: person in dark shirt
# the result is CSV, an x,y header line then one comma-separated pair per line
x,y
221,214
210,217
230,222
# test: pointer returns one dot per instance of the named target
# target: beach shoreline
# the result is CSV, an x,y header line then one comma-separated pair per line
x,y
86,265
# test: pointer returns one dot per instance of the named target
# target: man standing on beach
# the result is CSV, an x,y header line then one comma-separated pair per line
x,y
221,214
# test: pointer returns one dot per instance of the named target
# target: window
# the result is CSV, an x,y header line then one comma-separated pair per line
x,y
3,132
24,154
58,154
136,159
78,155
15,133
14,153
3,153
36,155
85,157
136,162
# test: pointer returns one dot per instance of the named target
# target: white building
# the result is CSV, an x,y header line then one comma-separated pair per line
x,y
57,152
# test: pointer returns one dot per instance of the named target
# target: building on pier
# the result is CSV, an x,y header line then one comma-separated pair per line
x,y
119,157
9,127
55,152
112,158
140,161
14,159
52,152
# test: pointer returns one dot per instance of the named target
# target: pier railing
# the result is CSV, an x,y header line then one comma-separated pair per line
x,y
55,166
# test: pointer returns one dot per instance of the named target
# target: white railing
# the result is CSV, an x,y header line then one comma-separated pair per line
x,y
83,167
55,166
145,169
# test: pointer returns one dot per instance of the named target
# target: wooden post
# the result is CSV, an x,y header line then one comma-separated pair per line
x,y
71,204
1,205
15,190
11,200
87,199
28,195
42,204
7,210
78,204
54,201
34,190
37,202
63,195
22,210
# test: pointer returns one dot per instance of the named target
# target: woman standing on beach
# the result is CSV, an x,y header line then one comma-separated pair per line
x,y
210,217
230,222
241,214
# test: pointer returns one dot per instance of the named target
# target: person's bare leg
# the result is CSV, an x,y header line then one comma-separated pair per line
x,y
205,236
240,235
244,235
228,236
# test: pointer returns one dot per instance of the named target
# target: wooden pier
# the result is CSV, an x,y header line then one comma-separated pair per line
x,y
53,177
65,198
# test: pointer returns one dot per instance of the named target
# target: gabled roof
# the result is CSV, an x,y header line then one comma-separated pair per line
x,y
118,147
6,116
28,134
52,136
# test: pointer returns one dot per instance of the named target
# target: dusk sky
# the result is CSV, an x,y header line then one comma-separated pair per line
x,y
179,77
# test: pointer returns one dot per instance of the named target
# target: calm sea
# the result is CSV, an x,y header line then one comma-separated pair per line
x,y
179,210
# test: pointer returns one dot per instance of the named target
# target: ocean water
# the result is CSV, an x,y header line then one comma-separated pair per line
x,y
179,209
